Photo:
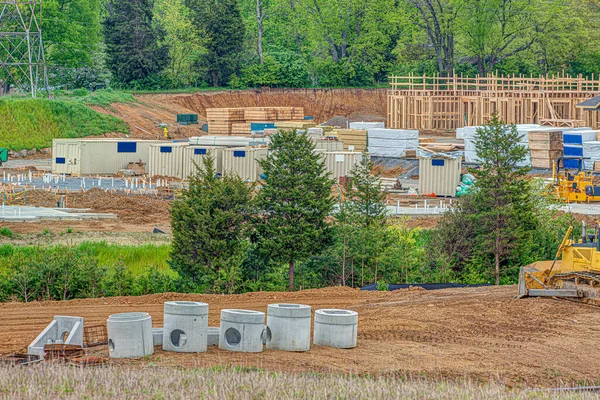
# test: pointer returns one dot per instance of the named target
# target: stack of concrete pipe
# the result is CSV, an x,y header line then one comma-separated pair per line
x,y
288,328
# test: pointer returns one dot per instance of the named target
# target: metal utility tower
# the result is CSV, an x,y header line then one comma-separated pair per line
x,y
22,60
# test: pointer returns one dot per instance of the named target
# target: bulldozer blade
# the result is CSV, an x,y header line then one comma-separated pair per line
x,y
555,293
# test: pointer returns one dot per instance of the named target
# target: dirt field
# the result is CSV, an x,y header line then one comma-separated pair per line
x,y
479,333
323,104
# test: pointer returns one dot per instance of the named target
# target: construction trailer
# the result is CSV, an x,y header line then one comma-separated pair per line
x,y
86,156
339,163
166,159
243,161
439,174
194,155
436,103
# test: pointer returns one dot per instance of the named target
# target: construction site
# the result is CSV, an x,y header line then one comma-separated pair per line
x,y
421,134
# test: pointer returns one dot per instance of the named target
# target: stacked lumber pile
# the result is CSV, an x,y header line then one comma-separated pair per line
x,y
220,120
227,121
357,138
545,147
289,125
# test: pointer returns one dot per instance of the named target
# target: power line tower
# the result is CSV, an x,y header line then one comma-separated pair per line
x,y
22,60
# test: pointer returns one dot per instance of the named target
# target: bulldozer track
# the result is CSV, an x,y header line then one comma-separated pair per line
x,y
589,282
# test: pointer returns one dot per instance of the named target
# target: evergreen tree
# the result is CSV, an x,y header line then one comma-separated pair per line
x,y
494,225
366,200
132,40
222,26
367,214
209,228
294,202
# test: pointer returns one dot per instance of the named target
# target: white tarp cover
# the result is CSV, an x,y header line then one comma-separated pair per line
x,y
591,149
392,142
366,125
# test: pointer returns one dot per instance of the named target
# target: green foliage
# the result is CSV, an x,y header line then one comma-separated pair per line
x,y
87,270
209,229
222,31
6,232
33,123
382,286
294,201
498,226
132,41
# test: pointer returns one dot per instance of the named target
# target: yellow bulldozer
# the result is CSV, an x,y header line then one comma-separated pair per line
x,y
575,277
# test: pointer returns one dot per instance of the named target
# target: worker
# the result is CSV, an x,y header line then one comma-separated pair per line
x,y
166,132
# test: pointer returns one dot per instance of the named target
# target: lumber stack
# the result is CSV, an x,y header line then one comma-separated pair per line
x,y
545,147
289,125
221,120
357,138
227,121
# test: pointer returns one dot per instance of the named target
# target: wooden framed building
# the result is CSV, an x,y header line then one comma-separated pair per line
x,y
445,103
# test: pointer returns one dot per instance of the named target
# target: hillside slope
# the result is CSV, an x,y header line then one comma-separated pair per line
x,y
33,123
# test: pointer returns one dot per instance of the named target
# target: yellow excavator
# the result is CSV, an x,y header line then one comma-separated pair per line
x,y
575,277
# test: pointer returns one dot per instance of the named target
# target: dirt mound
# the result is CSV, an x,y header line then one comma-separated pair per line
x,y
481,333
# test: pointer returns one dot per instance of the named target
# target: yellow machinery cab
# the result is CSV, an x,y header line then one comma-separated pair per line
x,y
572,184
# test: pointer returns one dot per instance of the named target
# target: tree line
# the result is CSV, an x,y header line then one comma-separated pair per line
x,y
168,44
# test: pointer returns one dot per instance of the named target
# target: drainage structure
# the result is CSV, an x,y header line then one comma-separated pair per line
x,y
186,327
130,335
288,327
242,330
336,328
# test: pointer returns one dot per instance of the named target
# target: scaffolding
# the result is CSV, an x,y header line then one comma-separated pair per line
x,y
22,59
435,103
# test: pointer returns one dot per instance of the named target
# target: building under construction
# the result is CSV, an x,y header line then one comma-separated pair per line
x,y
446,103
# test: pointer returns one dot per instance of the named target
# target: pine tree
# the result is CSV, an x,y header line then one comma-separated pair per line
x,y
222,26
364,194
294,202
209,227
132,40
367,214
496,223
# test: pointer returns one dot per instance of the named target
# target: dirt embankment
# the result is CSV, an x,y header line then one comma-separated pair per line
x,y
323,104
481,333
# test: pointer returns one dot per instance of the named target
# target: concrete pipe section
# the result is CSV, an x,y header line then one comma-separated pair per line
x,y
242,330
212,338
336,328
288,327
130,335
157,336
186,327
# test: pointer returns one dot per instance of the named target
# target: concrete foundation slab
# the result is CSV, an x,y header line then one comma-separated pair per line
x,y
336,328
25,214
186,326
63,330
288,327
130,335
242,330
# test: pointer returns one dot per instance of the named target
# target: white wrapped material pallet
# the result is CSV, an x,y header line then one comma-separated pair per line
x,y
391,142
591,150
228,141
367,125
468,134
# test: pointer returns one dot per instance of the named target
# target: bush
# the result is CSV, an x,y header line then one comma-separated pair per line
x,y
6,232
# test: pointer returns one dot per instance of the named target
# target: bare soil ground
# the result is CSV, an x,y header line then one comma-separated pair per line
x,y
479,333
323,104
136,213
